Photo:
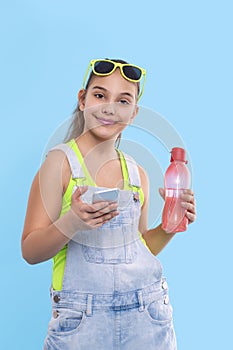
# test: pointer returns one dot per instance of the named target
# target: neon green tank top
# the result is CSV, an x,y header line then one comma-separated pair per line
x,y
59,260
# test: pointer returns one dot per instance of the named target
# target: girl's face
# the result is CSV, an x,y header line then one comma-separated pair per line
x,y
108,105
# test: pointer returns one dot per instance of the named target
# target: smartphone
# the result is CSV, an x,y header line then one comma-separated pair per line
x,y
110,195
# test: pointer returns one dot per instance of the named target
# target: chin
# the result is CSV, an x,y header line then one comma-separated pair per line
x,y
104,136
105,132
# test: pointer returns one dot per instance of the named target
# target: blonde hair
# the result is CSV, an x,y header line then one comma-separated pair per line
x,y
76,126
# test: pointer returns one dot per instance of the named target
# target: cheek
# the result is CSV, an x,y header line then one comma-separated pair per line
x,y
127,113
91,108
90,102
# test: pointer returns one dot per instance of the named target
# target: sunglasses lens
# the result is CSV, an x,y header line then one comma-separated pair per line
x,y
132,72
103,67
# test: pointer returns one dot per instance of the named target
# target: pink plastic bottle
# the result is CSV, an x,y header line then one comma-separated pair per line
x,y
177,178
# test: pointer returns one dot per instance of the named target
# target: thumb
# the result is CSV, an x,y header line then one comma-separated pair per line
x,y
80,190
162,192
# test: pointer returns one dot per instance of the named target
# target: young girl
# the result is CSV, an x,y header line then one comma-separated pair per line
x,y
107,286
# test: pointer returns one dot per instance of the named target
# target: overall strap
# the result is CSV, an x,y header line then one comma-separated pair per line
x,y
74,163
133,173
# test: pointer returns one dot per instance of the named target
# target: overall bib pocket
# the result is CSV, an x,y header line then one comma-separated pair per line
x,y
112,243
113,248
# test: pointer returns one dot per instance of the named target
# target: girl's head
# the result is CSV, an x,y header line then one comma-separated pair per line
x,y
105,67
110,95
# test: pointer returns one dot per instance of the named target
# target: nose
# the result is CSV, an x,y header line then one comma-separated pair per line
x,y
108,109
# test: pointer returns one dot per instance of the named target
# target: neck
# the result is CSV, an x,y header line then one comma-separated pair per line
x,y
96,149
99,156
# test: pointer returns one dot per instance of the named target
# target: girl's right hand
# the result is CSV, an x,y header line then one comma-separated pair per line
x,y
90,216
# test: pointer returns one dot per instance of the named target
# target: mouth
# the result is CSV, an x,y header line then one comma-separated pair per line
x,y
106,121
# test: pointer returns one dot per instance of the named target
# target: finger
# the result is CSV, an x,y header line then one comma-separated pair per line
x,y
191,217
79,192
91,216
99,221
103,214
162,192
188,191
189,206
111,216
101,207
187,197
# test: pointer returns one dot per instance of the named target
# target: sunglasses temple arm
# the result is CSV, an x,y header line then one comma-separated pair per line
x,y
85,76
142,89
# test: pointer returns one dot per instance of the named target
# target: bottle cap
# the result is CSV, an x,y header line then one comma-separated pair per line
x,y
178,153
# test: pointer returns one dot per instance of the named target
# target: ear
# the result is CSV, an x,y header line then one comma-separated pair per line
x,y
81,99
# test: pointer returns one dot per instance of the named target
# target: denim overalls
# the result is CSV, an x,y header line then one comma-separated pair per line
x,y
113,295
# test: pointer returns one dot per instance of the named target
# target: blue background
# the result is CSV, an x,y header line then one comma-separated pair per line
x,y
186,47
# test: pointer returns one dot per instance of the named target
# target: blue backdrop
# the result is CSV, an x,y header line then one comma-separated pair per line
x,y
186,47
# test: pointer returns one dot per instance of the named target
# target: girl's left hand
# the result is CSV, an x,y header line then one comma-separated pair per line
x,y
188,202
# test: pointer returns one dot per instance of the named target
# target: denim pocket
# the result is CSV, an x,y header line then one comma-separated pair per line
x,y
110,245
66,322
160,312
117,255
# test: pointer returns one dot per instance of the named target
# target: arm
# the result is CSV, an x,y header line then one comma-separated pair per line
x,y
45,233
156,238
43,230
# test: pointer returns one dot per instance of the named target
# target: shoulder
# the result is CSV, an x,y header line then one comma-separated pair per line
x,y
56,167
55,160
142,173
144,179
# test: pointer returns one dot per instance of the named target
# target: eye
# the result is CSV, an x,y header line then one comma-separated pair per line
x,y
99,95
124,102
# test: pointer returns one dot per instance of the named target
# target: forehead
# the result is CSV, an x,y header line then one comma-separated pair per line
x,y
114,82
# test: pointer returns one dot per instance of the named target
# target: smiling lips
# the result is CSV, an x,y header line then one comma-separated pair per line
x,y
106,121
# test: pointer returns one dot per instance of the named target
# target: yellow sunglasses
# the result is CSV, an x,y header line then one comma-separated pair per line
x,y
104,67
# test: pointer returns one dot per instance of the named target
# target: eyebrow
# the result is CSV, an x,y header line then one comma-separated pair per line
x,y
122,93
99,88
